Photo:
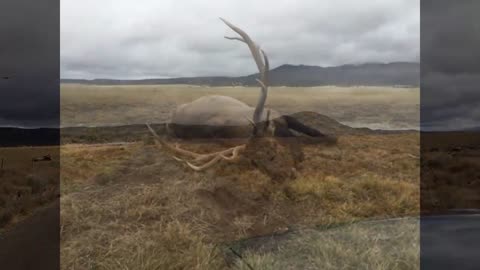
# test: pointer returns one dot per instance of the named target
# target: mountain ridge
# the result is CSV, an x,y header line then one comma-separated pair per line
x,y
367,74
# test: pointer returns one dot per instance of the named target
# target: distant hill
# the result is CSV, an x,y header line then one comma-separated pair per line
x,y
473,129
370,74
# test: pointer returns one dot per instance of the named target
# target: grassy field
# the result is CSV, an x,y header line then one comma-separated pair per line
x,y
133,206
392,244
375,107
24,186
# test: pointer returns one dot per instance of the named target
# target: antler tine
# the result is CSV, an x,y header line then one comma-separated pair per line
x,y
251,121
267,120
266,67
230,154
156,138
214,157
251,45
235,151
261,84
235,38
159,141
262,64
204,166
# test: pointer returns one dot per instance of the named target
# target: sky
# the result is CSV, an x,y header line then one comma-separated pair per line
x,y
41,42
29,55
450,66
174,38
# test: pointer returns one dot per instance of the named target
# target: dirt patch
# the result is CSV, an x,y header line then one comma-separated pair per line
x,y
226,205
277,160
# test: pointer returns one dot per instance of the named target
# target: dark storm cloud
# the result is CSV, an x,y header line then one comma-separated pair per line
x,y
123,39
450,68
29,45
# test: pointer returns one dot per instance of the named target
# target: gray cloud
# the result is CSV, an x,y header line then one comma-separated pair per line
x,y
123,39
450,101
450,67
29,46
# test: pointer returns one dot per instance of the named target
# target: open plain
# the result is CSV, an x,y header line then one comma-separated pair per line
x,y
134,206
362,106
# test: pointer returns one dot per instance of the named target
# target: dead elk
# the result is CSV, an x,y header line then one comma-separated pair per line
x,y
259,128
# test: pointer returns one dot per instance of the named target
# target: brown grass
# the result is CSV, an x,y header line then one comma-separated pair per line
x,y
136,207
376,107
90,165
23,187
450,176
382,246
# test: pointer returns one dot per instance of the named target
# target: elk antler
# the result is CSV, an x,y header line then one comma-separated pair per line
x,y
262,64
210,159
230,154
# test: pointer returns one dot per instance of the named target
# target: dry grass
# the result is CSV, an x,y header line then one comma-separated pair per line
x,y
90,165
23,187
134,228
450,175
365,196
380,246
135,207
376,107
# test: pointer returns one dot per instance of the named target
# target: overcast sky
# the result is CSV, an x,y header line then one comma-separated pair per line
x,y
450,79
29,46
172,38
116,39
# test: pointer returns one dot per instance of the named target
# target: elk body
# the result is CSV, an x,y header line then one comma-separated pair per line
x,y
225,117
218,116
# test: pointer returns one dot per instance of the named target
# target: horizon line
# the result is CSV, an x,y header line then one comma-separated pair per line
x,y
233,76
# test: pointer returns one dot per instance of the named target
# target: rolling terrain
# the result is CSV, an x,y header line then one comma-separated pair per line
x,y
121,193
370,74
